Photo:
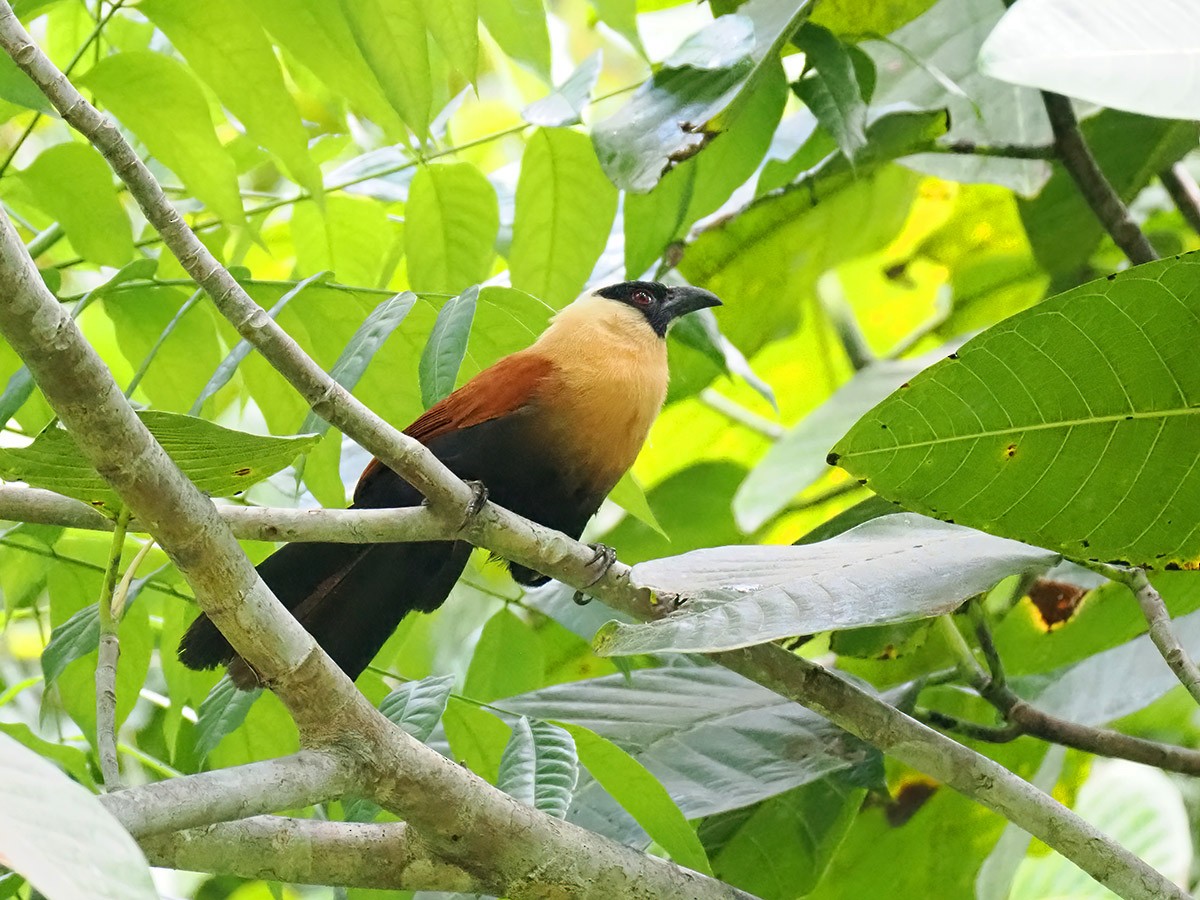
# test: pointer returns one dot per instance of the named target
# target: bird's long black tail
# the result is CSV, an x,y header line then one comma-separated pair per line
x,y
350,598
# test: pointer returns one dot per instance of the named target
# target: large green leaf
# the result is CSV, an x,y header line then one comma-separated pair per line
x,y
1143,58
932,62
74,184
417,706
392,37
60,838
317,34
1131,150
219,461
675,112
891,569
159,100
564,212
450,227
17,87
453,24
519,27
831,89
856,19
508,659
539,766
229,50
1070,425
351,236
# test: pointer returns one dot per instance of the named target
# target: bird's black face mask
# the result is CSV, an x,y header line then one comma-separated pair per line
x,y
661,305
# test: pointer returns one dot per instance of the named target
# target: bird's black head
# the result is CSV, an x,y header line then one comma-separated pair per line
x,y
661,305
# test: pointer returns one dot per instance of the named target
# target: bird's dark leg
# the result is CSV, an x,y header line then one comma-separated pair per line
x,y
606,556
478,501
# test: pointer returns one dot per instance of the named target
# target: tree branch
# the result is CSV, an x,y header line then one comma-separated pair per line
x,y
310,851
1184,191
1003,151
1097,191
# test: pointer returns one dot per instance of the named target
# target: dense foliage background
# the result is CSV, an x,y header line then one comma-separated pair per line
x,y
413,187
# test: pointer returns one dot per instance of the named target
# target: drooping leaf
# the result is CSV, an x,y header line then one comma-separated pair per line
x,y
621,17
230,52
222,712
417,706
74,184
565,104
219,461
628,495
361,349
446,347
450,227
564,211
831,88
932,63
75,638
158,99
1063,425
685,725
392,38
60,838
519,27
1142,59
629,783
670,116
317,34
508,659
539,766
454,25
887,570
797,459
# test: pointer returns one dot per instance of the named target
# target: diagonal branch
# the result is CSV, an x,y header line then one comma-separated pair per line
x,y
1100,195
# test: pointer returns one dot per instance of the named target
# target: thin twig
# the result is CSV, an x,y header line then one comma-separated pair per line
x,y
1099,194
1003,151
991,734
1184,191
106,665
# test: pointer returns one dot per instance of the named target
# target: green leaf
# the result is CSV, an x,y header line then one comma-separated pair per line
x,y
351,236
446,347
856,19
74,184
831,89
159,100
675,112
891,569
317,33
450,227
1090,397
70,759
919,65
417,706
222,712
453,25
59,836
565,104
17,87
243,348
72,640
508,660
151,320
519,27
781,848
564,212
219,461
641,795
717,716
628,495
621,17
1131,150
361,349
477,738
392,38
797,459
229,50
1144,60
539,766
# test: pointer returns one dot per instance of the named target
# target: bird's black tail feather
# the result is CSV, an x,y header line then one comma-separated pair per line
x,y
350,597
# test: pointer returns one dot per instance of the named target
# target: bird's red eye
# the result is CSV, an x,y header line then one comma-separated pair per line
x,y
642,298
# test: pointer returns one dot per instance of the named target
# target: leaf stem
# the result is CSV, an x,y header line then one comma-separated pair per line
x,y
1184,191
106,666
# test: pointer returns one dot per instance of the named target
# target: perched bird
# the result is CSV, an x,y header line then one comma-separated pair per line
x,y
548,431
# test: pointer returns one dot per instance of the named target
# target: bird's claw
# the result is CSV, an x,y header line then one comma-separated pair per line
x,y
478,500
605,556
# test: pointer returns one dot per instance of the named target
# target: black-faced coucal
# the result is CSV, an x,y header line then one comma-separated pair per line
x,y
548,431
